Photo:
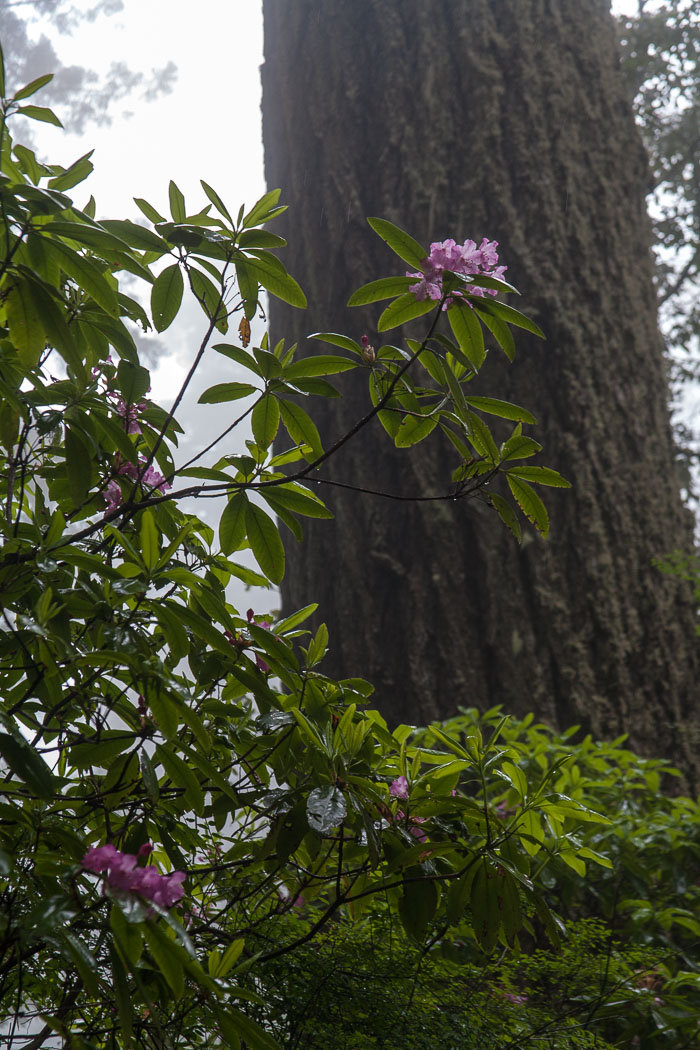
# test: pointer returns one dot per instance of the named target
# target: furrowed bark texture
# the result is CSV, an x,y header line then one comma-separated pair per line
x,y
505,119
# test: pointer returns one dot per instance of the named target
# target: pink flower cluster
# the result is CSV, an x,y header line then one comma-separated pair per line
x,y
151,477
123,874
399,789
104,374
464,258
130,414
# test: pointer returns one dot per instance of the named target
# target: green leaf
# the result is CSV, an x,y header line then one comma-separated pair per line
x,y
2,74
148,210
265,542
417,906
229,958
85,234
276,279
261,209
200,625
319,365
86,275
384,288
58,330
301,428
501,333
530,503
248,287
467,331
484,905
220,392
210,298
265,420
516,777
182,776
504,409
166,297
260,239
404,309
84,961
150,780
168,957
78,171
232,525
290,622
570,857
507,515
177,203
599,858
122,995
25,762
481,438
541,476
78,467
136,236
318,647
413,429
235,1025
482,281
31,88
519,447
148,536
399,241
25,328
509,905
28,163
40,113
294,498
507,313
342,341
459,894
134,381
326,808
216,200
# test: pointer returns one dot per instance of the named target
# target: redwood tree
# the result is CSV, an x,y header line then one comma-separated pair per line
x,y
506,119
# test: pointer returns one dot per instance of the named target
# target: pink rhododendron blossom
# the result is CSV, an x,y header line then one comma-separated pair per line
x,y
112,496
150,477
399,788
124,874
413,827
466,259
98,858
130,414
155,479
416,831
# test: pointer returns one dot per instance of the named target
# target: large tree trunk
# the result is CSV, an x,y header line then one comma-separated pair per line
x,y
505,119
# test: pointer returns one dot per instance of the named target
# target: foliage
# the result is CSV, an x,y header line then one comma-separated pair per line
x,y
629,978
367,986
150,734
644,879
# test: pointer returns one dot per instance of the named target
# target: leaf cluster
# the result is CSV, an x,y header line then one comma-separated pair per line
x,y
140,707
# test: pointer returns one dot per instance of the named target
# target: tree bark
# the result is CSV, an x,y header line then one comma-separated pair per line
x,y
505,119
